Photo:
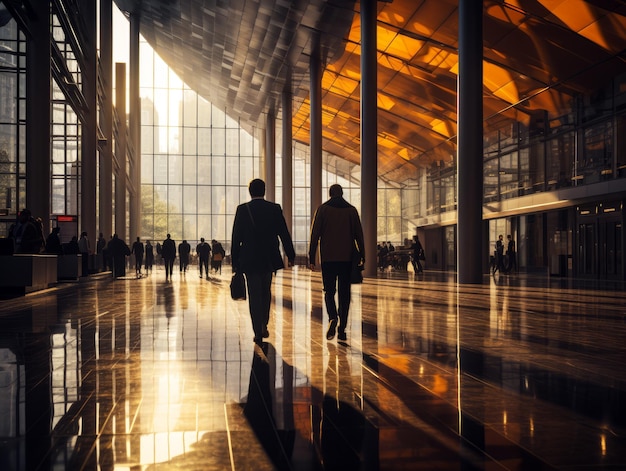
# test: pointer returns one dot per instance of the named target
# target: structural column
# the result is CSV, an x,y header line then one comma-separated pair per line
x,y
470,143
270,156
120,151
287,156
38,117
105,208
369,134
316,128
134,131
89,134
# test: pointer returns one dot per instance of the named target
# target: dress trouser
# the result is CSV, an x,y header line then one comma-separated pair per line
x,y
336,278
259,300
169,267
204,262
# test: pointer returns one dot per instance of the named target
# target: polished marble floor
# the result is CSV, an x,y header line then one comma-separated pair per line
x,y
521,372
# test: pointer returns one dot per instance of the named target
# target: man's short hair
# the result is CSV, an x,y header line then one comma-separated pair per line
x,y
335,190
257,188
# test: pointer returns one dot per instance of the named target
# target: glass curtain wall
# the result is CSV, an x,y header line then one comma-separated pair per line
x,y
196,160
581,145
66,133
197,163
12,120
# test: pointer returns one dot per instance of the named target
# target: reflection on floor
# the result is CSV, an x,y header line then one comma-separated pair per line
x,y
517,373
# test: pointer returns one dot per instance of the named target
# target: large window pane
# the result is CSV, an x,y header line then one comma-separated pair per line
x,y
232,170
190,140
190,109
218,171
597,155
204,113
204,141
204,199
560,161
509,186
232,141
218,141
190,169
175,198
189,199
218,118
147,139
621,146
490,180
147,168
231,199
204,170
175,169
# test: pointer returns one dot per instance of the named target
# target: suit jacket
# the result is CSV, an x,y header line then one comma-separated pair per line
x,y
168,249
255,247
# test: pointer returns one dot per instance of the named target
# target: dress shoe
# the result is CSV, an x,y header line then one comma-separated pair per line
x,y
266,333
332,327
341,335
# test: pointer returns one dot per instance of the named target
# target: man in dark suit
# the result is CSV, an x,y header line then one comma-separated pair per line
x,y
168,252
255,251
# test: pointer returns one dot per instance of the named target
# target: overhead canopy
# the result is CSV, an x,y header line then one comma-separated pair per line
x,y
538,55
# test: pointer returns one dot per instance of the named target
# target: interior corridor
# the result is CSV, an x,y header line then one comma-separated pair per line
x,y
144,374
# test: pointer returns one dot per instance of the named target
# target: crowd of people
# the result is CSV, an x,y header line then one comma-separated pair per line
x,y
399,258
504,262
166,253
26,236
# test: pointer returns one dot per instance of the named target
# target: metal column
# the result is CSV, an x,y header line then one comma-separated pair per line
x,y
134,130
270,156
120,151
287,156
106,120
316,130
89,151
369,134
38,114
470,143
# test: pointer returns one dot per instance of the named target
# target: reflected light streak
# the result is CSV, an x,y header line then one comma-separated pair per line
x,y
440,384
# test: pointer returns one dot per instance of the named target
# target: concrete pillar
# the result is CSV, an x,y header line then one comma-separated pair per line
x,y
470,255
287,156
263,154
120,151
134,130
369,135
89,151
105,208
38,114
270,156
316,129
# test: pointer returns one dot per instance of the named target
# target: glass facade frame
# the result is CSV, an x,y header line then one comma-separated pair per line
x,y
12,123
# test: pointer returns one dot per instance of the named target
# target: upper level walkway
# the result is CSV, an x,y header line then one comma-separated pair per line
x,y
517,373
